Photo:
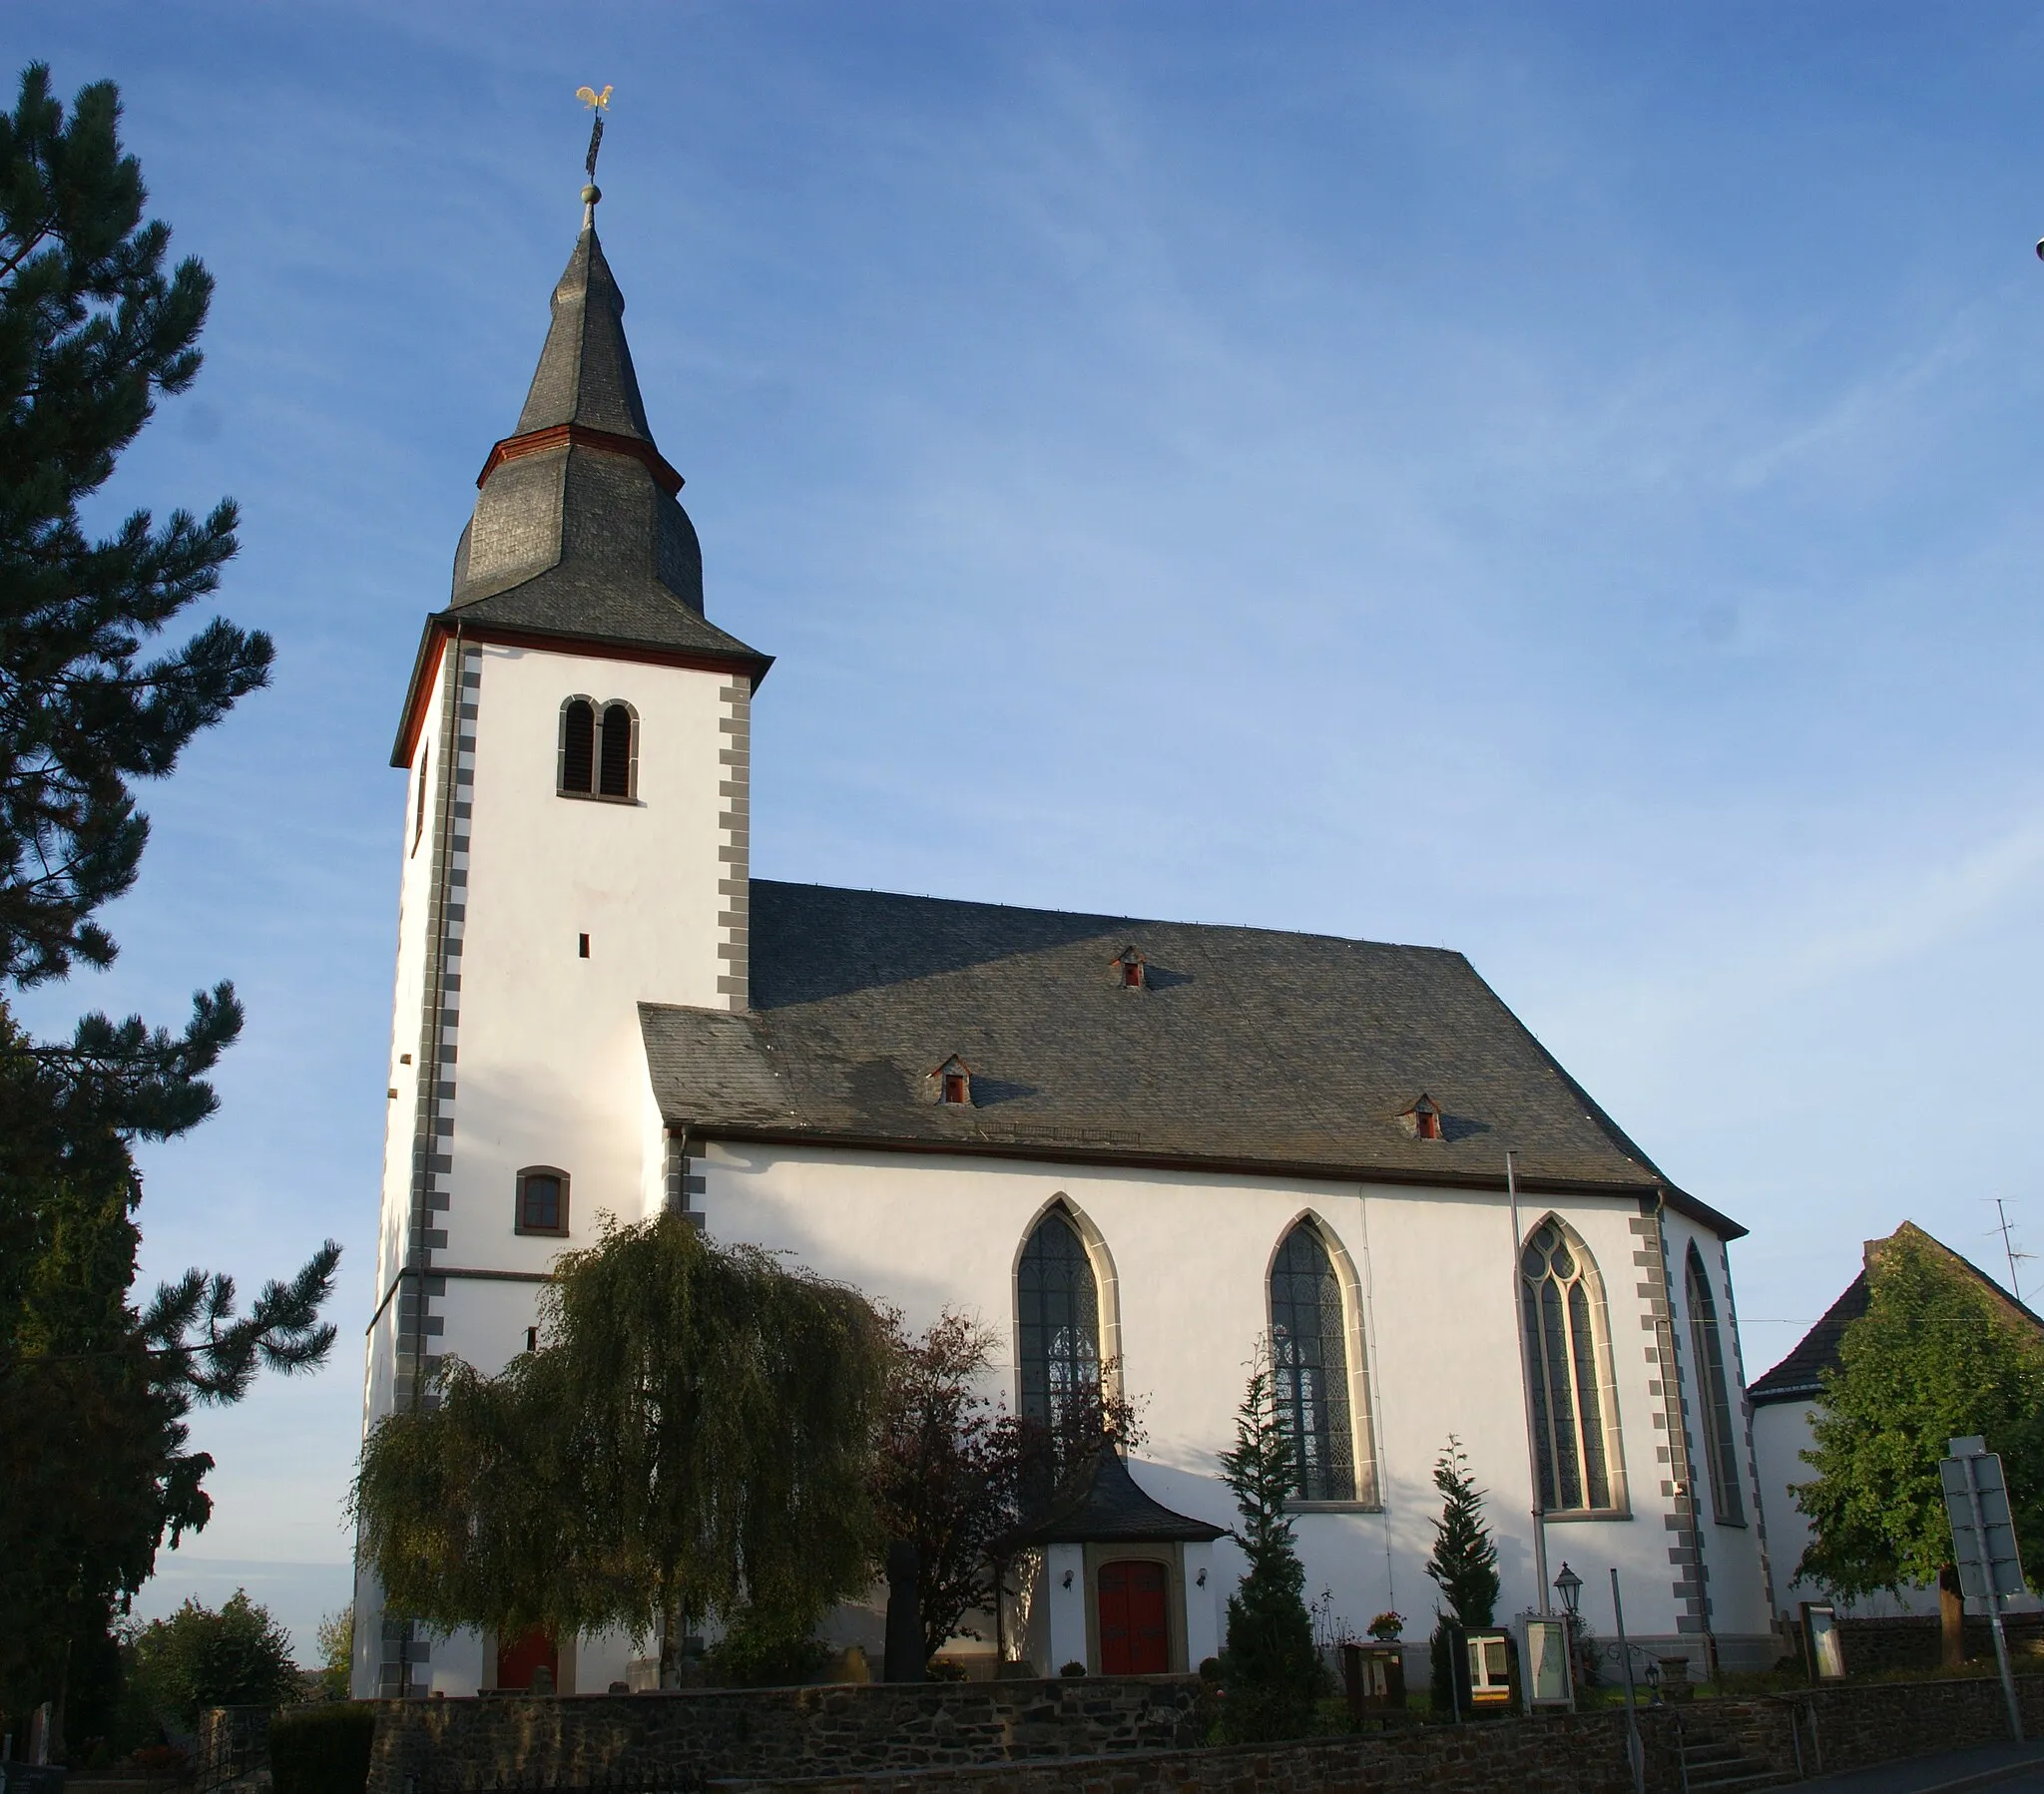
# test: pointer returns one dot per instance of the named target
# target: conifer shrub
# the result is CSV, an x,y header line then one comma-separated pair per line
x,y
1463,1564
1270,1674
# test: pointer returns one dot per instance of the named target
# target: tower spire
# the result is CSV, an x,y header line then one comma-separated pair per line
x,y
578,534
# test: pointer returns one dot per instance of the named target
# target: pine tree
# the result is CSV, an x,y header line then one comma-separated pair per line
x,y
1270,1674
1464,1566
94,1389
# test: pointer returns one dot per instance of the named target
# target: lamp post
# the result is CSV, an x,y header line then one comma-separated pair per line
x,y
1569,1587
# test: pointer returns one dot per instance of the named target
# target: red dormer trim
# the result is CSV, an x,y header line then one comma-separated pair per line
x,y
534,442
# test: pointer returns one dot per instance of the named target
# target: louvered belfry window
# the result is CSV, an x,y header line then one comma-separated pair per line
x,y
614,774
578,747
1708,1350
1310,1364
1562,1310
1059,1322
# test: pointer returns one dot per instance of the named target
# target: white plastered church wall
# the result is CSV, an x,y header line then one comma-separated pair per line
x,y
552,1066
1439,1286
548,1063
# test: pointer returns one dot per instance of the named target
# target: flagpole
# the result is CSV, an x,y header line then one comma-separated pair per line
x,y
1541,1604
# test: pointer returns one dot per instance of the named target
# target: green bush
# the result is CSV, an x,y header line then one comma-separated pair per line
x,y
238,1656
322,1750
762,1650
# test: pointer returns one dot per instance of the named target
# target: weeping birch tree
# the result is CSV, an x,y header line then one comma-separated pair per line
x,y
694,1435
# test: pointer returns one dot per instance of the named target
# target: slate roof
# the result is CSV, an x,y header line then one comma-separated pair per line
x,y
585,373
577,537
1800,1376
1249,1050
1103,1505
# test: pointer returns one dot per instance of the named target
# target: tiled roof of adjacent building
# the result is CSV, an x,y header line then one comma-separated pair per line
x,y
1800,1376
1245,1050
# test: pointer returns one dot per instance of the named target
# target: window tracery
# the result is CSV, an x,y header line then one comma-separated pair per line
x,y
1567,1348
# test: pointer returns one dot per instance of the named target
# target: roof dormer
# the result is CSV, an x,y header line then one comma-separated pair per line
x,y
953,1082
1424,1120
1130,969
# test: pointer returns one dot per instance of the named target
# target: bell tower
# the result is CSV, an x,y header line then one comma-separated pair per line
x,y
576,739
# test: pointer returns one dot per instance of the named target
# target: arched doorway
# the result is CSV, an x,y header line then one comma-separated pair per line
x,y
1134,1624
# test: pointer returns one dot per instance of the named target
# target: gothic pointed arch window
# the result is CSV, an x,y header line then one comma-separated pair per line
x,y
1310,1364
1708,1353
1568,1353
1057,1300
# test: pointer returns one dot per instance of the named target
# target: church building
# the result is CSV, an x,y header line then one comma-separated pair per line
x,y
1138,1150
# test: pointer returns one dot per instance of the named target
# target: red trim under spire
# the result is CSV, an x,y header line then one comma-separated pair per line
x,y
533,442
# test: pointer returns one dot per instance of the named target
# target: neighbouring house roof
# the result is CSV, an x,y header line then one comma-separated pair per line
x,y
1800,1376
1102,1505
1245,1048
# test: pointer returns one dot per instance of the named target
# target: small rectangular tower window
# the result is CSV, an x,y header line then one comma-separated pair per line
x,y
418,827
582,946
542,1200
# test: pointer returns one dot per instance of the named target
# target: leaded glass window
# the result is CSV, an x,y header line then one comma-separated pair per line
x,y
1562,1310
1709,1352
1059,1318
1310,1364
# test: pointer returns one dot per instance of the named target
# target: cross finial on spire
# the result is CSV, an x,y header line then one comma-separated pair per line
x,y
598,104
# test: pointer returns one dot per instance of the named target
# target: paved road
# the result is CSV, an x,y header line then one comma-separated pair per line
x,y
2006,1768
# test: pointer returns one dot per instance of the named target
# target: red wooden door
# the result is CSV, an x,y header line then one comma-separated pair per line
x,y
518,1657
1135,1630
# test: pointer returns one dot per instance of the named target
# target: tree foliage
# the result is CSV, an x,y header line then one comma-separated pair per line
x,y
945,1472
1463,1562
1270,1674
956,1469
693,1436
94,1388
336,1638
1938,1354
200,1657
91,330
1463,1565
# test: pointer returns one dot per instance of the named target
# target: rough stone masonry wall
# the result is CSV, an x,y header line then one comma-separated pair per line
x,y
1829,1729
439,1746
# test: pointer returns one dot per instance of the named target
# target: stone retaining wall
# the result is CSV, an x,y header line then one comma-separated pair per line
x,y
444,1746
1129,1736
1917,1642
1793,1735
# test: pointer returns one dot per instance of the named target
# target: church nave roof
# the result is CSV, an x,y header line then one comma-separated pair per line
x,y
1242,1049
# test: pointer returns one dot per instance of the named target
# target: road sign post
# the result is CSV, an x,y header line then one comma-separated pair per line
x,y
1984,1544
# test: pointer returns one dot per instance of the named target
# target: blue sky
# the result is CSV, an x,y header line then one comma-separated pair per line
x,y
1560,483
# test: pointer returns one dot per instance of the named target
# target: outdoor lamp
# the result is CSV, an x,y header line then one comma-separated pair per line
x,y
1569,1587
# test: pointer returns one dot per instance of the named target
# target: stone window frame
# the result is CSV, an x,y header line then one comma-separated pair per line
x,y
1713,1391
518,1223
599,715
1369,1497
1106,1291
1610,1429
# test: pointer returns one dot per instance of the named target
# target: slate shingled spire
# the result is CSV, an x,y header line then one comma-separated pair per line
x,y
585,373
577,533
